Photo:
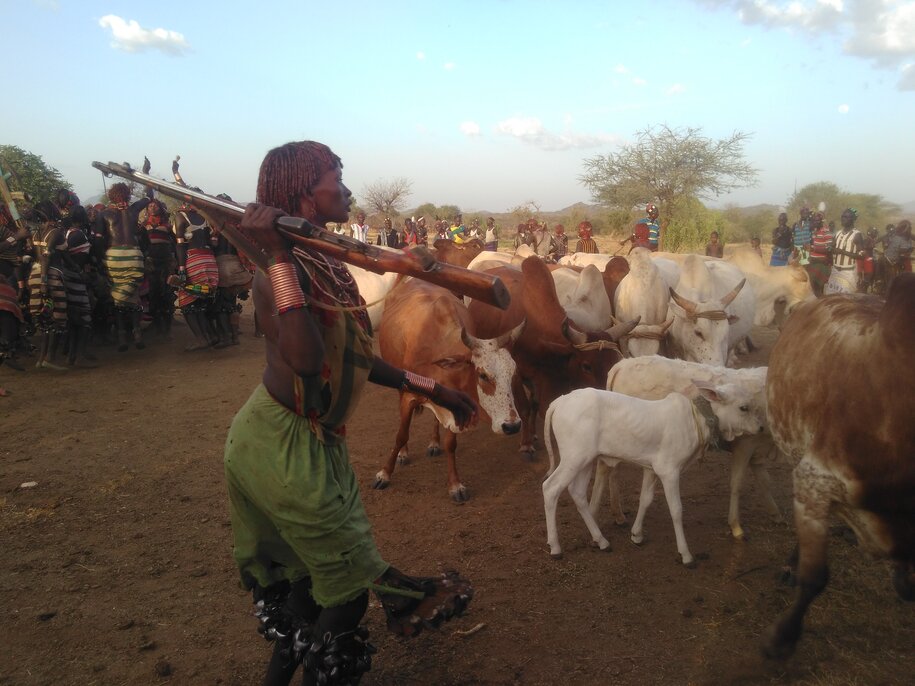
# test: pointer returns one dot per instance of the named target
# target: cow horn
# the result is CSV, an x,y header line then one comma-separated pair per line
x,y
511,336
618,331
726,300
666,325
570,332
471,342
687,305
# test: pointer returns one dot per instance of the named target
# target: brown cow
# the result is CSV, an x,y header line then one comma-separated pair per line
x,y
427,330
459,255
553,357
841,407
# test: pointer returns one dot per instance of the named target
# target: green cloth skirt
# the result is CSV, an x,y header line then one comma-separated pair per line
x,y
295,505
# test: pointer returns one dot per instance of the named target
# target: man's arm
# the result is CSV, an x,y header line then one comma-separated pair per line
x,y
460,404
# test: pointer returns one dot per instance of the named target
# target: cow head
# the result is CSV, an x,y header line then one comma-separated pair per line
x,y
699,332
646,339
487,375
735,405
594,353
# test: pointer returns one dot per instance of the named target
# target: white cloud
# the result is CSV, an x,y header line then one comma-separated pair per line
x,y
420,55
530,130
129,36
639,81
907,80
882,31
843,109
676,89
448,66
620,69
470,128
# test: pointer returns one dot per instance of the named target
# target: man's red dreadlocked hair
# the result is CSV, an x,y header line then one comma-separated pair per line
x,y
291,170
119,192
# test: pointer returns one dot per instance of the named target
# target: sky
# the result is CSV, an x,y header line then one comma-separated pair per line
x,y
485,105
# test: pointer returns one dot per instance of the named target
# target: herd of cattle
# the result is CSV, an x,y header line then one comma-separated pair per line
x,y
633,360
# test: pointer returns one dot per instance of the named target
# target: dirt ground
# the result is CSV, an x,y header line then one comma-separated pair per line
x,y
116,566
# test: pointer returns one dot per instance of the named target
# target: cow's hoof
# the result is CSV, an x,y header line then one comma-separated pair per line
x,y
527,453
775,648
904,582
692,564
403,458
460,495
637,540
602,546
433,450
621,522
787,577
382,481
556,556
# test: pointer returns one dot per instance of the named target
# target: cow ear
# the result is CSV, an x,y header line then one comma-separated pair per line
x,y
708,392
452,361
733,319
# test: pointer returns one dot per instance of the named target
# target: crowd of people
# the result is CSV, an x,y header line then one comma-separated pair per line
x,y
842,259
73,277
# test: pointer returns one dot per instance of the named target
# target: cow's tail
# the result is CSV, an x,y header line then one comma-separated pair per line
x,y
548,436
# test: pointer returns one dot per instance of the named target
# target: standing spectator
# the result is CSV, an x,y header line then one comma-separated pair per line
x,y
491,240
441,230
899,251
360,228
801,232
714,248
474,230
585,243
422,232
456,231
410,237
522,237
559,246
846,251
782,242
384,234
647,231
818,266
755,247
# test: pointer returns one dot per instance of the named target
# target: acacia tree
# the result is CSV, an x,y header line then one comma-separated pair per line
x,y
669,166
388,197
31,174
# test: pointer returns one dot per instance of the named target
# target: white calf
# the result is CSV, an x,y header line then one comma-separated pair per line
x,y
661,436
652,378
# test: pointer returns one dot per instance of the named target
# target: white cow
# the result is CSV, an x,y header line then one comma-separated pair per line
x,y
778,290
644,293
584,297
709,320
661,436
374,288
583,259
652,378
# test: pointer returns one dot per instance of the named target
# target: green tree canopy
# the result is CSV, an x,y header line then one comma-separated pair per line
x,y
31,174
670,167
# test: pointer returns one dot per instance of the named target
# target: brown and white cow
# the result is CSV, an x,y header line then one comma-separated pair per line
x,y
427,330
553,357
841,407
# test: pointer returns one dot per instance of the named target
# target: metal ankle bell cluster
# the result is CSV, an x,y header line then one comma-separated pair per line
x,y
340,660
292,635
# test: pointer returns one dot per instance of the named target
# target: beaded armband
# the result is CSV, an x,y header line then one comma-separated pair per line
x,y
287,293
415,382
